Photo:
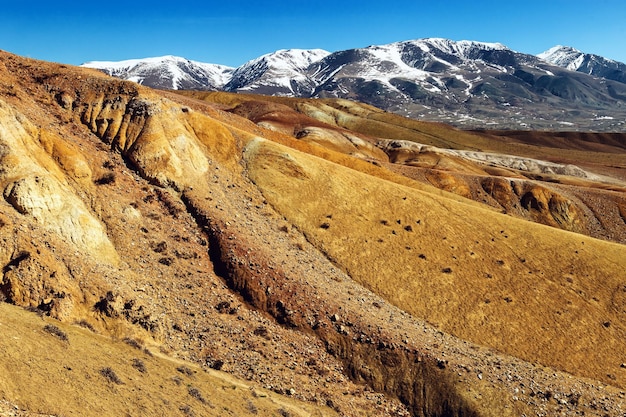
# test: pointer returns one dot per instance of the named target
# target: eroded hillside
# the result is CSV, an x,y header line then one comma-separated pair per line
x,y
573,181
313,259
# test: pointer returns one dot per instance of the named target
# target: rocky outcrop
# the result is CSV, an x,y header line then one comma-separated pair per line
x,y
540,204
34,185
151,136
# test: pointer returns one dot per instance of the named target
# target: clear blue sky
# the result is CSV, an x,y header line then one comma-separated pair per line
x,y
232,32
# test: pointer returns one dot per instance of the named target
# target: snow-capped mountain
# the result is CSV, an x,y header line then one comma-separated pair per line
x,y
465,83
575,60
168,72
435,70
470,84
283,72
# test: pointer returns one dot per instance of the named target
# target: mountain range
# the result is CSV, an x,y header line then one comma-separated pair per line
x,y
465,83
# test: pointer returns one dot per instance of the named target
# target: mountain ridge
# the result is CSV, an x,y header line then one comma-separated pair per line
x,y
468,84
167,72
592,64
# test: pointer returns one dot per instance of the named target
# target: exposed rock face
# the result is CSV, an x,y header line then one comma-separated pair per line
x,y
34,191
538,203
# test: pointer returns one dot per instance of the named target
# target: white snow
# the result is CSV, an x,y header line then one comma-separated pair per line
x,y
281,67
386,63
171,67
563,56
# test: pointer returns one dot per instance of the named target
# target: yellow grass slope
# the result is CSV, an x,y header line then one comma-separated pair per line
x,y
61,369
542,294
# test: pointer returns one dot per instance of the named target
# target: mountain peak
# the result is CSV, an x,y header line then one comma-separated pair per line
x,y
563,56
280,73
592,64
456,47
168,72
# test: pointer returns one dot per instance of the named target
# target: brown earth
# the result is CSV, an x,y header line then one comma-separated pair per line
x,y
291,250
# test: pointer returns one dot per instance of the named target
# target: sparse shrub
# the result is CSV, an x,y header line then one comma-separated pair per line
x,y
86,325
139,365
166,261
284,413
574,398
262,331
153,216
177,380
110,375
252,408
447,270
160,247
105,305
185,370
108,164
185,254
32,309
325,225
107,178
55,331
224,307
133,343
195,393
170,204
186,410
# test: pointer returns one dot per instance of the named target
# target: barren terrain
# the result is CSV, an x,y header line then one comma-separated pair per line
x,y
291,257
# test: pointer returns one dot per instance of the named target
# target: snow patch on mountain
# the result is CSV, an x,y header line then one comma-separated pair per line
x,y
166,72
386,63
563,56
284,69
575,60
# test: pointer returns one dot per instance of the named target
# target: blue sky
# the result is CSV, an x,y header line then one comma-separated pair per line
x,y
232,32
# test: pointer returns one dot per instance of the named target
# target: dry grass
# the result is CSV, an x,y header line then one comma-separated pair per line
x,y
532,291
96,376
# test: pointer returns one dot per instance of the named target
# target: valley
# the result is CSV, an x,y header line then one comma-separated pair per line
x,y
268,255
